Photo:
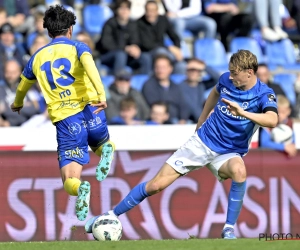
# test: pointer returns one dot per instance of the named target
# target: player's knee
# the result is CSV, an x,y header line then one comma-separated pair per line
x,y
238,172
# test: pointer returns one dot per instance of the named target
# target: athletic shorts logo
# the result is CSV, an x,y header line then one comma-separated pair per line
x,y
74,153
74,128
178,163
271,97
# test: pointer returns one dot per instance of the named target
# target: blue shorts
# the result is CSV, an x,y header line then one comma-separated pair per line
x,y
75,133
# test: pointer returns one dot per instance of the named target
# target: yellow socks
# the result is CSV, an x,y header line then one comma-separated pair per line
x,y
71,186
99,150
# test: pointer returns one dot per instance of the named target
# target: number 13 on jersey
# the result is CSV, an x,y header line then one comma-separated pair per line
x,y
65,78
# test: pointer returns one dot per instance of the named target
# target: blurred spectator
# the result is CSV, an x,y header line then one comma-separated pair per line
x,y
121,89
159,114
264,9
264,75
7,94
228,18
160,88
34,3
3,16
9,49
84,37
186,15
152,29
284,112
119,41
138,8
297,89
39,41
194,87
127,115
38,24
289,24
18,14
293,7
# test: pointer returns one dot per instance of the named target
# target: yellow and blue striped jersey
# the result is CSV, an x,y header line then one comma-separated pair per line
x,y
59,69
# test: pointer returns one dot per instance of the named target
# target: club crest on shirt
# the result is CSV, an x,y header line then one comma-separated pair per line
x,y
271,97
245,105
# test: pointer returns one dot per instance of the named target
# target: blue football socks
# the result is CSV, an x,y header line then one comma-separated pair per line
x,y
135,196
235,201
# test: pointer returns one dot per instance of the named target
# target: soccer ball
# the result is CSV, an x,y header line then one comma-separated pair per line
x,y
107,228
282,134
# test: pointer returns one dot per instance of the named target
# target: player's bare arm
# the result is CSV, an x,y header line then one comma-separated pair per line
x,y
208,107
268,119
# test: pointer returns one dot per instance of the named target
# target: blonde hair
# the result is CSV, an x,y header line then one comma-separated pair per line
x,y
282,101
242,60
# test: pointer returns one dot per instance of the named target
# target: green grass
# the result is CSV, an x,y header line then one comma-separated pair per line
x,y
199,244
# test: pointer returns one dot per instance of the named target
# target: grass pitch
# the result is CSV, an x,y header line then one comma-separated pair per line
x,y
199,244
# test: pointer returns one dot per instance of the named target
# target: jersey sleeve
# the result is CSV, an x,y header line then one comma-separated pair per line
x,y
93,74
27,73
82,48
268,101
222,82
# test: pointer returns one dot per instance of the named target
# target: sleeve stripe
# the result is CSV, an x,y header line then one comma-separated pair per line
x,y
270,109
27,80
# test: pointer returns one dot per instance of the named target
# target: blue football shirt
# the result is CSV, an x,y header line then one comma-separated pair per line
x,y
225,133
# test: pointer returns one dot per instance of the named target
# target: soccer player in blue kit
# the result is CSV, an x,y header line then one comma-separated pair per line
x,y
75,97
241,104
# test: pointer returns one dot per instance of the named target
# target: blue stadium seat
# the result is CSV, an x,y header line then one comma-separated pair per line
x,y
281,53
137,81
178,78
184,47
107,2
187,35
287,82
76,29
247,43
211,51
94,17
107,80
49,2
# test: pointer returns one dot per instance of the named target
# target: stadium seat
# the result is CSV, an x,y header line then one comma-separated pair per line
x,y
94,17
76,29
211,51
137,81
49,2
107,80
184,47
281,53
178,78
287,82
107,2
247,43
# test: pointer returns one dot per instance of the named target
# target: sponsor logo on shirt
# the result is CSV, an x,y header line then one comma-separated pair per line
x,y
225,91
225,111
